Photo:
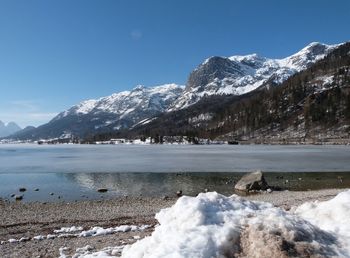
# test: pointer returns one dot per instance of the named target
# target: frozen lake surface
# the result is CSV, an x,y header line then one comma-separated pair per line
x,y
172,158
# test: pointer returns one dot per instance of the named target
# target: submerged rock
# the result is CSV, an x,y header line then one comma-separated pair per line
x,y
18,197
252,182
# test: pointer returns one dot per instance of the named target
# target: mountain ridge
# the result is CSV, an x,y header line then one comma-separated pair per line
x,y
216,76
239,74
312,106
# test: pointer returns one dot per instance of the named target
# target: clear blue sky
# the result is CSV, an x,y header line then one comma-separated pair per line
x,y
54,54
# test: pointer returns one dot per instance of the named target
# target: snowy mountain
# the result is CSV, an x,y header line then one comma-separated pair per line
x,y
126,108
115,112
238,75
129,104
216,77
312,106
8,129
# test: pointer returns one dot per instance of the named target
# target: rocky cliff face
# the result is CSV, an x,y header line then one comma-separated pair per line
x,y
311,106
238,75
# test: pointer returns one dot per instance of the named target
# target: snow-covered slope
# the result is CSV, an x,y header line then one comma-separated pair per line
x,y
125,108
241,74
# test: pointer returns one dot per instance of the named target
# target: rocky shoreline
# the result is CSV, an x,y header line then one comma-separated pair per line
x,y
27,220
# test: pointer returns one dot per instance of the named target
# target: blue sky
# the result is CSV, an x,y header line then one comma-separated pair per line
x,y
54,54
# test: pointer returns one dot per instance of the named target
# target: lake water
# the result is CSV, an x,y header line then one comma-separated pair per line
x,y
73,172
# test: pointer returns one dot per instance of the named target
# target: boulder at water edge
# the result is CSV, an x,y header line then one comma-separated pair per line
x,y
252,181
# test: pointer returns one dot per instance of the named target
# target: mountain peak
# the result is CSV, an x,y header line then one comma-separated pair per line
x,y
316,44
308,55
138,88
241,58
240,74
8,129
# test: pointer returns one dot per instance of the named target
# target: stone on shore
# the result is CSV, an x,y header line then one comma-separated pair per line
x,y
254,181
18,197
179,193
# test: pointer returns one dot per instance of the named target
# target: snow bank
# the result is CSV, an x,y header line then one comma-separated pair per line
x,y
332,216
212,225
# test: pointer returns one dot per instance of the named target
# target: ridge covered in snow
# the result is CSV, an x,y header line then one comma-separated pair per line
x,y
238,75
126,108
215,76
234,75
122,103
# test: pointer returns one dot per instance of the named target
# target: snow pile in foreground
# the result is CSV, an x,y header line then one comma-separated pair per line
x,y
332,216
212,225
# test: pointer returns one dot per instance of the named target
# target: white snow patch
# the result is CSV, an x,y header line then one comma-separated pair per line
x,y
40,237
85,106
77,231
87,252
61,251
51,236
98,231
68,229
332,216
212,225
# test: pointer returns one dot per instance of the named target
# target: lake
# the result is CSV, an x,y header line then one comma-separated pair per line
x,y
74,172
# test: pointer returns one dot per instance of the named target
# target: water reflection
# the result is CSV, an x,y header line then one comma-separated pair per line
x,y
160,184
81,186
156,184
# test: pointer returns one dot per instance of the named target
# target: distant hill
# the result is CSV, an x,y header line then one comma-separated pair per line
x,y
8,129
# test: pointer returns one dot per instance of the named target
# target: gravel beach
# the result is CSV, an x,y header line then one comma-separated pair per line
x,y
26,220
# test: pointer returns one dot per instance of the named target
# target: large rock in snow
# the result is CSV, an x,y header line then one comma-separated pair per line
x,y
252,181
